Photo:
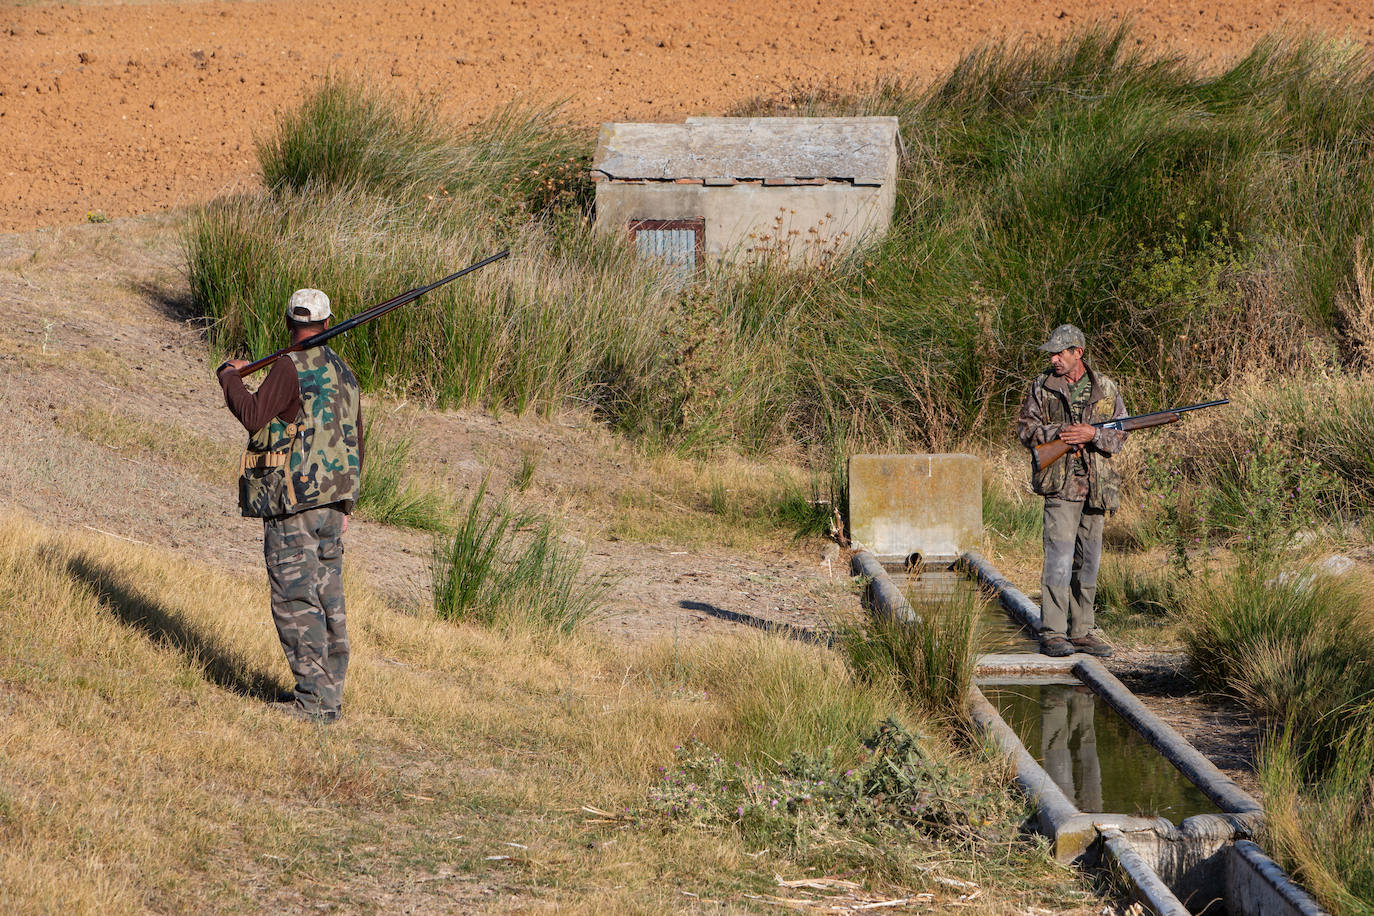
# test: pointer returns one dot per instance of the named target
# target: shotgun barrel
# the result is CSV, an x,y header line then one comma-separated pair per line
x,y
375,311
1048,453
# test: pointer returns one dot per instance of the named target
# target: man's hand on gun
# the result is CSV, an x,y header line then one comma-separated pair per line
x,y
1078,435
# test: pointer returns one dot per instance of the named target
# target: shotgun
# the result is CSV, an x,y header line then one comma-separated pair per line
x,y
376,311
1050,452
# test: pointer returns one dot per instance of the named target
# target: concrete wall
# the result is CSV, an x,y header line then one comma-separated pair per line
x,y
780,218
931,504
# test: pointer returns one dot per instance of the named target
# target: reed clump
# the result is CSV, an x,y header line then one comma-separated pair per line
x,y
511,569
1317,806
929,660
1196,225
387,493
1297,646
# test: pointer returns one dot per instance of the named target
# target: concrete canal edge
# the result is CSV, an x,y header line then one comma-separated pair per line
x,y
1024,610
1205,857
880,592
1258,886
1148,886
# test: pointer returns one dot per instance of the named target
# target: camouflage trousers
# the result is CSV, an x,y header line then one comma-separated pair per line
x,y
304,554
1068,582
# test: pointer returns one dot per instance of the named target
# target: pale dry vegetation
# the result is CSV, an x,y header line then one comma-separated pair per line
x,y
473,770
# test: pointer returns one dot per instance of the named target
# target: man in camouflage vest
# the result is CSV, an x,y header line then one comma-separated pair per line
x,y
300,475
1062,403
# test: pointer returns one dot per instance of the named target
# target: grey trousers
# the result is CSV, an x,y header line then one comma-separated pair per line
x,y
1067,733
1073,550
304,554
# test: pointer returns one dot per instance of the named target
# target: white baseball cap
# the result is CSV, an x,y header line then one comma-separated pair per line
x,y
308,306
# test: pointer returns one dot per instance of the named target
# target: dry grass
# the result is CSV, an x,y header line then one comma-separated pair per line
x,y
165,444
145,771
729,502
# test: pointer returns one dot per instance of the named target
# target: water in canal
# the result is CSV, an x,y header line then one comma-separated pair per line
x,y
1101,763
935,583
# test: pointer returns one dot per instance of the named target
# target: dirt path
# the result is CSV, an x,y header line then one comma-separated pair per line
x,y
123,109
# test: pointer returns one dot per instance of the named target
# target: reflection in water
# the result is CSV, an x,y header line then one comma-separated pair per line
x,y
1101,763
1067,735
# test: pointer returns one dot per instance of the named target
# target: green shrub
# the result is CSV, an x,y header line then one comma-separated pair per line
x,y
387,494
929,660
505,568
902,791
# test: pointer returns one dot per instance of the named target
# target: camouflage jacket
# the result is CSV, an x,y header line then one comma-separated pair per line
x,y
290,467
1045,410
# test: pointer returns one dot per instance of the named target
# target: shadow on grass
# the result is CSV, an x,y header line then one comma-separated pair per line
x,y
801,634
166,627
173,301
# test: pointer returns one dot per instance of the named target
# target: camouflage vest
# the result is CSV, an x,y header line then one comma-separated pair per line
x,y
1104,481
290,467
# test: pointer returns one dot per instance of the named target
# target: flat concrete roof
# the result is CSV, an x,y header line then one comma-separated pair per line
x,y
857,150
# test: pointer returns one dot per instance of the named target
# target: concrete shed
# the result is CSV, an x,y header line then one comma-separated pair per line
x,y
746,189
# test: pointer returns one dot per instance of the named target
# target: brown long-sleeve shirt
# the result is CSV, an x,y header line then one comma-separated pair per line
x,y
278,396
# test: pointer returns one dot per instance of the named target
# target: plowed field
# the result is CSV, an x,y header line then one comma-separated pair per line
x,y
126,108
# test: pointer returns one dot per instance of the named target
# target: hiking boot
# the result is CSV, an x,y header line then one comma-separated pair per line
x,y
315,716
1091,644
1055,645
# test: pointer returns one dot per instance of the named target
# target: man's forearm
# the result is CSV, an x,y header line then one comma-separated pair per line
x,y
278,393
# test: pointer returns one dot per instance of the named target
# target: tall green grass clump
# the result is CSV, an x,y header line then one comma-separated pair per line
x,y
1013,516
1293,645
387,494
547,323
368,196
1128,595
1297,647
1318,812
504,568
1197,225
929,660
1194,225
345,134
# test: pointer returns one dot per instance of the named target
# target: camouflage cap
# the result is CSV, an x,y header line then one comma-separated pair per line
x,y
308,306
1063,337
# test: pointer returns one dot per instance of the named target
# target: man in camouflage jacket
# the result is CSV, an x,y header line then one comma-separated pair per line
x,y
300,474
1080,489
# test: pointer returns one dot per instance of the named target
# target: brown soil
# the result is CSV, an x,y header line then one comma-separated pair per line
x,y
123,109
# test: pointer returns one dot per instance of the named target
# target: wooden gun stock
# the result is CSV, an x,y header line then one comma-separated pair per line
x,y
1050,452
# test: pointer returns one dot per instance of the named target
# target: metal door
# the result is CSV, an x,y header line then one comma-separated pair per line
x,y
677,242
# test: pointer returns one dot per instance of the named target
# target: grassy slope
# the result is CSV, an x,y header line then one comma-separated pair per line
x,y
145,770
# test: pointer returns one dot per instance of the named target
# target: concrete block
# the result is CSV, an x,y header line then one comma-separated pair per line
x,y
1257,886
927,504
